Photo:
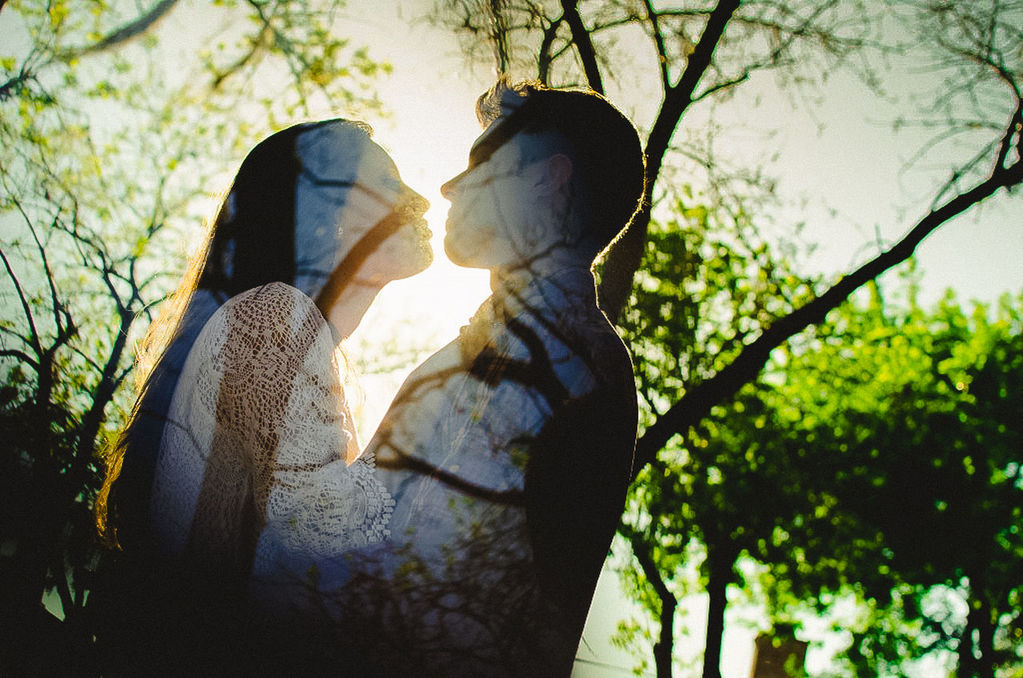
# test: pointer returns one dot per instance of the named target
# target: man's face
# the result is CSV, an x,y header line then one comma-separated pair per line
x,y
491,203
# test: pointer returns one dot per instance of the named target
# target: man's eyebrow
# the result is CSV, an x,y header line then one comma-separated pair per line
x,y
486,146
499,135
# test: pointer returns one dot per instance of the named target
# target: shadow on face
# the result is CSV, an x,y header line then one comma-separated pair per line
x,y
355,218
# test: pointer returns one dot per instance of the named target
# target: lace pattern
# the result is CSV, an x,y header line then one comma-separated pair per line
x,y
252,471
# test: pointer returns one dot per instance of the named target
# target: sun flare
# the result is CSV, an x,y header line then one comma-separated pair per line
x,y
412,318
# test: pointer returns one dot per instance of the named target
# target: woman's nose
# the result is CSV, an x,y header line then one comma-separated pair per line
x,y
411,203
418,203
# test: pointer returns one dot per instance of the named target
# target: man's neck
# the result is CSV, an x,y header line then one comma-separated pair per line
x,y
549,263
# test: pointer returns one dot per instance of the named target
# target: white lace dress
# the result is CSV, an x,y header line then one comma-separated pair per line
x,y
258,472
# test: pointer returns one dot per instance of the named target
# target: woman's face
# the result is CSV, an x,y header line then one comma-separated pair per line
x,y
379,194
348,195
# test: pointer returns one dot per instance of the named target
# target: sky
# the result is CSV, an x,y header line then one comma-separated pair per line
x,y
839,161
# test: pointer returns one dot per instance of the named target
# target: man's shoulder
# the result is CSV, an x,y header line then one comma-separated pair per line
x,y
601,340
444,360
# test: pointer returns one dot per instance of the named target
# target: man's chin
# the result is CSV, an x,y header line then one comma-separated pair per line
x,y
459,257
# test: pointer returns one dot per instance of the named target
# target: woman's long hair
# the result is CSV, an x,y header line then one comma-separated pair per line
x,y
251,243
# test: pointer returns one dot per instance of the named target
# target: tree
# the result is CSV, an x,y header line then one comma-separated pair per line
x,y
107,157
911,436
701,54
694,500
876,460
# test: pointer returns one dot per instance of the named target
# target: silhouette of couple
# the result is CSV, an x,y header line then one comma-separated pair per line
x,y
466,537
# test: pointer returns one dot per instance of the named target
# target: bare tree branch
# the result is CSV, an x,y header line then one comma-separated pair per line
x,y
499,34
20,355
697,402
1015,130
26,73
61,316
127,32
544,58
626,253
405,461
33,339
256,45
662,53
583,44
773,58
89,360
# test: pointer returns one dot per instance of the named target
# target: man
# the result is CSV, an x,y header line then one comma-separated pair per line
x,y
508,452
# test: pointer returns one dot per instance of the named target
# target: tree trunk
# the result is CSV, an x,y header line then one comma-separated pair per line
x,y
626,255
985,641
774,657
664,647
720,568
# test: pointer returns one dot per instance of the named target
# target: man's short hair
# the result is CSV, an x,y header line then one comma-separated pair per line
x,y
604,147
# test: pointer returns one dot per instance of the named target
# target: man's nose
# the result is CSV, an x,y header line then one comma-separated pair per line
x,y
450,186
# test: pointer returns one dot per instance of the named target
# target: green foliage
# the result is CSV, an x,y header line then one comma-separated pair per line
x,y
879,458
705,289
707,286
701,295
917,418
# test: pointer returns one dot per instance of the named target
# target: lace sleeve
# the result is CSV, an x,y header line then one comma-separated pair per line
x,y
252,463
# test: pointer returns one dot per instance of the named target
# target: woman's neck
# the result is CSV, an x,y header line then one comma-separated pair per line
x,y
346,314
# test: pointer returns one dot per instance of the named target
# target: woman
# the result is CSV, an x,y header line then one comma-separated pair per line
x,y
240,457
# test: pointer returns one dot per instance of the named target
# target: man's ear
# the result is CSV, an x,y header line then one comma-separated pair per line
x,y
557,172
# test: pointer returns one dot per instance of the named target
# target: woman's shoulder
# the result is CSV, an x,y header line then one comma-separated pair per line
x,y
270,296
275,307
261,327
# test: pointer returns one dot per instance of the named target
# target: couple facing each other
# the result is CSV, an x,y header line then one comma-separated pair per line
x,y
466,537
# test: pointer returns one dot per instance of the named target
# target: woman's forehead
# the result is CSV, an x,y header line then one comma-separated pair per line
x,y
342,152
376,165
332,150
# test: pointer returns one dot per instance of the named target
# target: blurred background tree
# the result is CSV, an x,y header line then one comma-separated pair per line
x,y
875,461
906,424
